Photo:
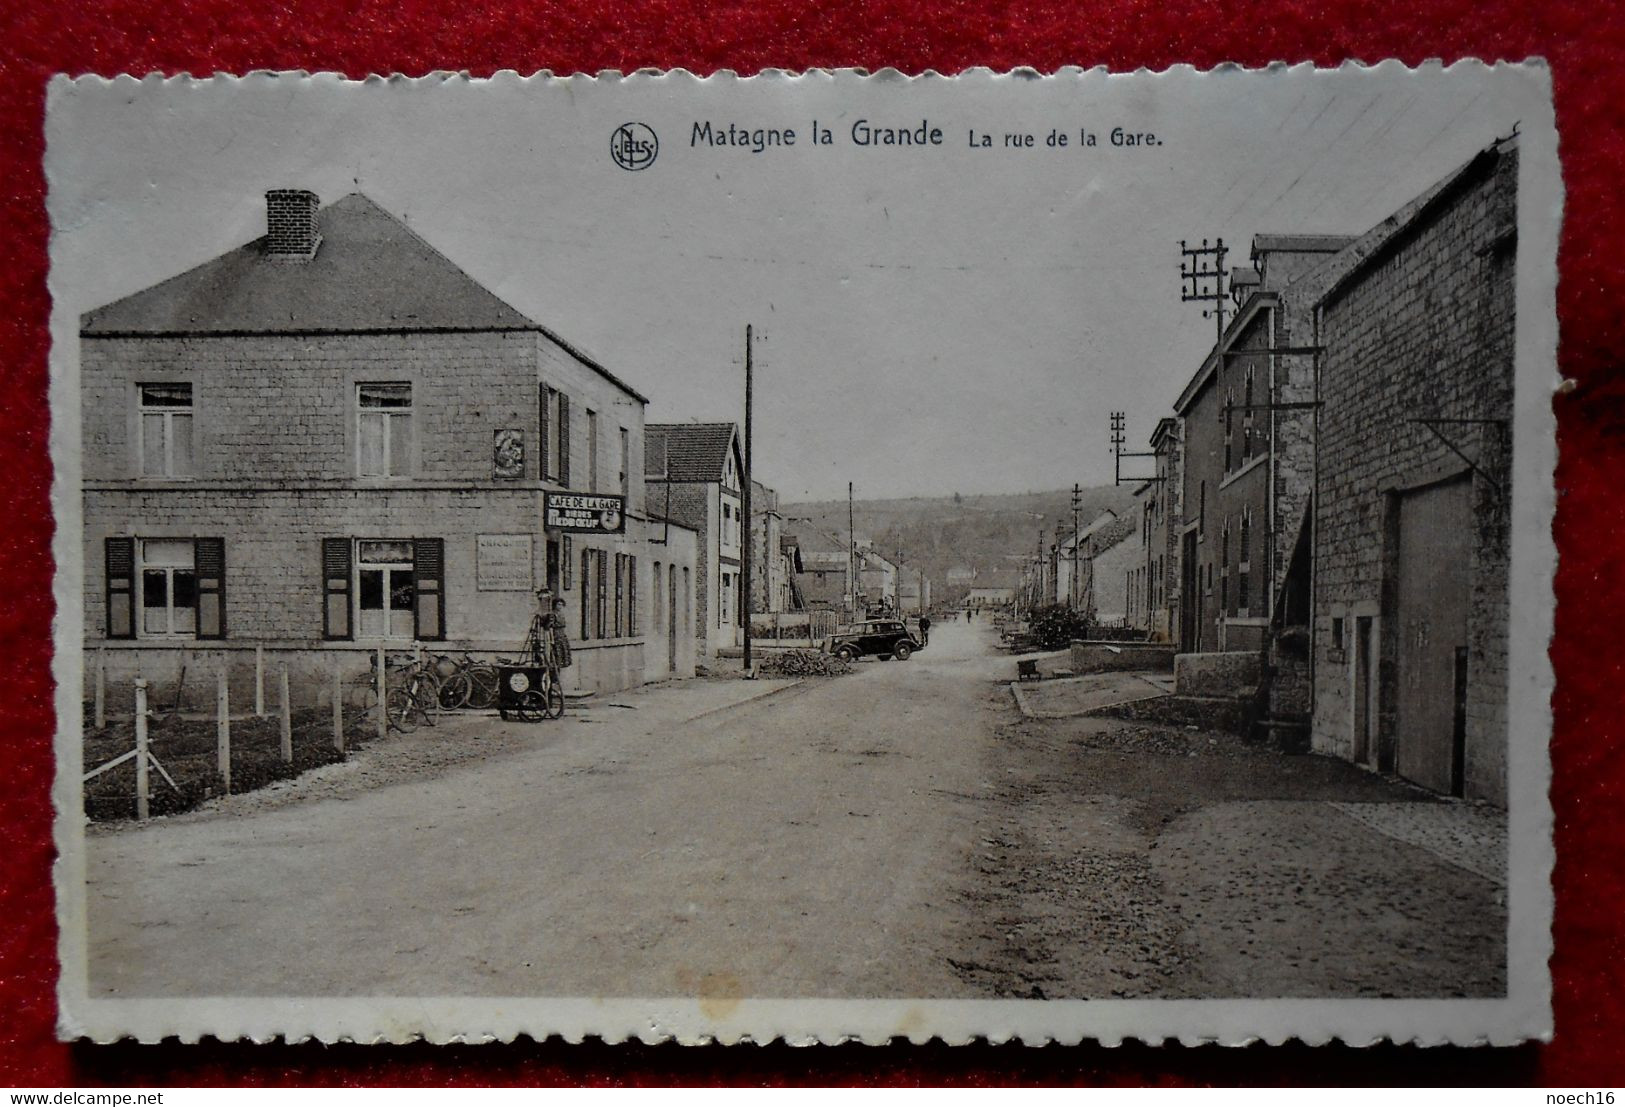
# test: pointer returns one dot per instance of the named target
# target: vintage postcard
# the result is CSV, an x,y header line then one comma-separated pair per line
x,y
825,557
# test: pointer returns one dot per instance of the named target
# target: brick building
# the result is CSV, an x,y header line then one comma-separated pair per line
x,y
1246,452
694,473
1411,539
1156,601
331,438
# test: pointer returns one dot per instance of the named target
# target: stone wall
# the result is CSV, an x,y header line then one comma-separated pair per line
x,y
1217,674
1424,330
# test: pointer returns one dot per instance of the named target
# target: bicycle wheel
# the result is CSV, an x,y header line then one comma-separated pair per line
x,y
482,687
532,707
555,700
454,692
405,713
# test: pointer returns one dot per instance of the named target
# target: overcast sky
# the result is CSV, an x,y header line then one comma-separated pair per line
x,y
930,320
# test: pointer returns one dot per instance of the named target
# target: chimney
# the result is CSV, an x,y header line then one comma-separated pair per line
x,y
290,223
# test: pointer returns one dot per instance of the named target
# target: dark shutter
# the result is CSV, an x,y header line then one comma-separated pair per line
x,y
620,595
336,607
429,586
564,440
586,592
631,595
542,392
209,557
120,555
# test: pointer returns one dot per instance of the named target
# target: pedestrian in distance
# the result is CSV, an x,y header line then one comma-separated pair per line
x,y
925,629
560,657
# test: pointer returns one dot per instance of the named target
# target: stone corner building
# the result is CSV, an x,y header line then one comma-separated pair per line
x,y
1412,508
332,438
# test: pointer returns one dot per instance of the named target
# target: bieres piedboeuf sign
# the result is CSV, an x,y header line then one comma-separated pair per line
x,y
572,511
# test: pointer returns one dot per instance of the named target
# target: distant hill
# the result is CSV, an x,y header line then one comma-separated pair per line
x,y
937,534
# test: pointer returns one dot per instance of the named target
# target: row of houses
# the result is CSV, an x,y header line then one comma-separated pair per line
x,y
331,439
846,574
1331,491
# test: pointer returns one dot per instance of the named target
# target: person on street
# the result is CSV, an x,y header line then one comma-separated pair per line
x,y
539,643
925,629
559,658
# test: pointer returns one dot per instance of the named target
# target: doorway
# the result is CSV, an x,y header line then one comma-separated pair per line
x,y
1190,595
1431,660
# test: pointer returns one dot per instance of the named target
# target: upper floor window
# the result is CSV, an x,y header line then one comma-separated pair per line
x,y
383,429
1247,417
626,462
592,450
166,430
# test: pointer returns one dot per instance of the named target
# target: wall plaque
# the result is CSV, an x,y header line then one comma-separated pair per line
x,y
503,563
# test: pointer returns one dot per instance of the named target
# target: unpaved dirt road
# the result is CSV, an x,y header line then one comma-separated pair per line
x,y
896,832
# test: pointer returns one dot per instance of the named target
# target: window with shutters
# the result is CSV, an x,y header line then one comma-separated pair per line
x,y
586,594
384,429
626,463
164,430
592,450
383,588
553,433
166,587
620,595
1244,564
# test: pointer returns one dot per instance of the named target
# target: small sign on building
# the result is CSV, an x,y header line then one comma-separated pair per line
x,y
508,454
575,511
503,563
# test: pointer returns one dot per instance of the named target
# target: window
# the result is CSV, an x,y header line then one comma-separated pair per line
x,y
1244,566
166,587
592,450
1201,508
383,588
165,430
586,594
724,599
385,597
1229,413
384,429
626,463
1247,418
553,432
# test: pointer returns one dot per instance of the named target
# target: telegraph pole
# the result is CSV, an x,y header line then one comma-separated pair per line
x,y
851,555
1119,437
749,535
1202,278
1072,585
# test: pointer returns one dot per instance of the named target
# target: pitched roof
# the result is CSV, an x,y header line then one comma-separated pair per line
x,y
371,274
693,451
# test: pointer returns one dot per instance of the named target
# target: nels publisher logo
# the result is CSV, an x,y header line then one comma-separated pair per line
x,y
633,146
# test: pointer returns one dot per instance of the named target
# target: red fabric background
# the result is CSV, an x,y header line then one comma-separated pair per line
x,y
1584,43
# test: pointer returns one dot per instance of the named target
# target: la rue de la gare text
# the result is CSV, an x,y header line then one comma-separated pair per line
x,y
865,133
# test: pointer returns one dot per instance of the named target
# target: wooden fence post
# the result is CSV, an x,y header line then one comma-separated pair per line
x,y
338,706
259,682
287,715
142,809
101,688
222,730
383,709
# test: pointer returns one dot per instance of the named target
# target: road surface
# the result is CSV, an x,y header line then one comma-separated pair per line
x,y
900,831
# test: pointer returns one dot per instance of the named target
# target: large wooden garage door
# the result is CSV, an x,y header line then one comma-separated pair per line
x,y
1435,529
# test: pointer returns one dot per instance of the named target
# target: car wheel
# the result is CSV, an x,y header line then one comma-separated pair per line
x,y
902,650
846,653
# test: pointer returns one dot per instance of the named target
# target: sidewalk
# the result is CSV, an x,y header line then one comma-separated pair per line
x,y
462,738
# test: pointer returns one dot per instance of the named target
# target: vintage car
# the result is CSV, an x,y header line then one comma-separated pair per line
x,y
882,638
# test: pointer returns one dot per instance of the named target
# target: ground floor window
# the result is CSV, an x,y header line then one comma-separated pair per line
x,y
165,587
383,588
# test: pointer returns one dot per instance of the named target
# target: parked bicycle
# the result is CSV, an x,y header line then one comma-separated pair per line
x,y
467,683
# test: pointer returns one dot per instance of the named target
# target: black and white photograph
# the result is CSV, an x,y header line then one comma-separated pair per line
x,y
817,557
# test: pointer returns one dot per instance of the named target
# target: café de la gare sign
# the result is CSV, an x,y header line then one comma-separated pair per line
x,y
573,511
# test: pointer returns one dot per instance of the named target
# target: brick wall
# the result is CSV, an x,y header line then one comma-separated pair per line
x,y
273,410
1426,330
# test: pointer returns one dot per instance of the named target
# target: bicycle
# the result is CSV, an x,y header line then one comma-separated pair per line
x,y
470,684
412,698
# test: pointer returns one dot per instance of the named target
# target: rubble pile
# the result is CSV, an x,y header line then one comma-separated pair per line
x,y
803,663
